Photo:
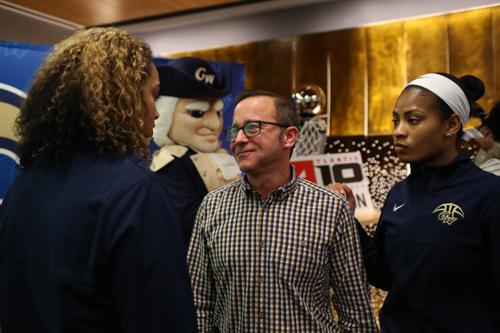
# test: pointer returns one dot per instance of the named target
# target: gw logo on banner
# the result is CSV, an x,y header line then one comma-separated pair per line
x,y
339,168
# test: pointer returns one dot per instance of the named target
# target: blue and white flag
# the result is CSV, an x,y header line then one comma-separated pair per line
x,y
18,64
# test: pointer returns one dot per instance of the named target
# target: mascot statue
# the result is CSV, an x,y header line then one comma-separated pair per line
x,y
190,158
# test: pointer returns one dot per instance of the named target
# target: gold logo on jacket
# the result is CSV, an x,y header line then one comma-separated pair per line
x,y
449,213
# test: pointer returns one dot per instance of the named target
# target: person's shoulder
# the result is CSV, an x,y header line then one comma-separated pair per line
x,y
225,193
330,203
136,184
225,190
485,173
116,174
492,166
133,167
317,190
484,184
399,186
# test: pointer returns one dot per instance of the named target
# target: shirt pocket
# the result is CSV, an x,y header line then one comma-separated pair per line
x,y
300,261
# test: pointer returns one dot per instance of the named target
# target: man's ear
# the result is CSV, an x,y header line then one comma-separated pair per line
x,y
290,136
453,125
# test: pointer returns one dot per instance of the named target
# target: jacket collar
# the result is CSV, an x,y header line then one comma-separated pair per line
x,y
439,177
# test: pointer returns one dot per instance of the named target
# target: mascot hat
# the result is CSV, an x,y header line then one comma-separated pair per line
x,y
192,78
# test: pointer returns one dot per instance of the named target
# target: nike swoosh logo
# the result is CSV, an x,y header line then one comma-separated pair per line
x,y
396,207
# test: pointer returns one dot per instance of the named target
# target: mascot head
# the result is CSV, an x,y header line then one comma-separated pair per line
x,y
190,104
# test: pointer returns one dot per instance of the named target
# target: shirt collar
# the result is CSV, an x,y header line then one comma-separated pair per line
x,y
282,192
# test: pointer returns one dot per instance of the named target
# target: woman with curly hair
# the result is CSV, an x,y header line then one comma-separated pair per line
x,y
89,241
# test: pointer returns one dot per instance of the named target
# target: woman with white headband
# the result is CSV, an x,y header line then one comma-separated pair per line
x,y
437,245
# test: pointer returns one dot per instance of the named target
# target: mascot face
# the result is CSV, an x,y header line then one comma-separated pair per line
x,y
197,123
190,105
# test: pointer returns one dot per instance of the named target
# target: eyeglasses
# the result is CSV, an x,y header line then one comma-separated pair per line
x,y
252,128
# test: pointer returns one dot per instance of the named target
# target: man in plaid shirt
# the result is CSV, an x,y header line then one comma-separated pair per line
x,y
267,250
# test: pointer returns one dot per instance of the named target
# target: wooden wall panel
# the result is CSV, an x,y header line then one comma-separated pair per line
x,y
234,53
310,58
271,65
471,48
383,58
268,65
426,43
348,64
386,74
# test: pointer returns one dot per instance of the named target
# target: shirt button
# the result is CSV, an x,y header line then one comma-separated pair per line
x,y
261,315
261,244
261,279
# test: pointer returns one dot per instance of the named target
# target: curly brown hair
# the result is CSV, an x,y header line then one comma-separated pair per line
x,y
87,94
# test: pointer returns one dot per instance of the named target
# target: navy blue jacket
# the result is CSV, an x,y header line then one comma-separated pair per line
x,y
92,247
437,251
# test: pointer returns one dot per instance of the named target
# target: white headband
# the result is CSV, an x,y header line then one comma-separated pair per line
x,y
448,91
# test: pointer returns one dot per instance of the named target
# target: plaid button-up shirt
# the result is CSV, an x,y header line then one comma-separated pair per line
x,y
270,266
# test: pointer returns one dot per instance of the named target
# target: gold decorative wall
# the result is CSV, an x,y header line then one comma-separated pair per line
x,y
347,52
471,46
386,74
364,69
426,43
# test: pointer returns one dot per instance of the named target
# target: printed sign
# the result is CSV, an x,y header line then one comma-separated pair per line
x,y
336,168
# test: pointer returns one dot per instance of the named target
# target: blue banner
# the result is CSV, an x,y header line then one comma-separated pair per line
x,y
18,65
